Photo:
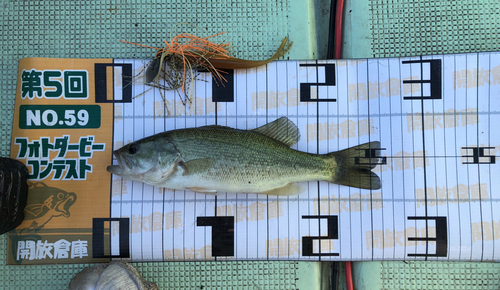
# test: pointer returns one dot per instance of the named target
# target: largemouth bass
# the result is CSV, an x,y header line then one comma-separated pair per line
x,y
213,159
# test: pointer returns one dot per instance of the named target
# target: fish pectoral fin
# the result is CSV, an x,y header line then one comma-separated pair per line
x,y
198,165
34,209
282,130
182,165
203,190
289,189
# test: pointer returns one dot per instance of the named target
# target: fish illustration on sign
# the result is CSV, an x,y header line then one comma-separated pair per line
x,y
213,159
45,203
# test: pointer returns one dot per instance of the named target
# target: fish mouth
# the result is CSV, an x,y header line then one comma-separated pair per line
x,y
124,165
64,206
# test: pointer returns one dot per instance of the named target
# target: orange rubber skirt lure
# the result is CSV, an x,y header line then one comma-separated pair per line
x,y
187,52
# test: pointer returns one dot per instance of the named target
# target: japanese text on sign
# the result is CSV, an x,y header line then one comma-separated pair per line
x,y
62,167
70,84
62,249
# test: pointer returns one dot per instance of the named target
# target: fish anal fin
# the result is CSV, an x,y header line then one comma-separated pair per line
x,y
289,189
203,190
282,130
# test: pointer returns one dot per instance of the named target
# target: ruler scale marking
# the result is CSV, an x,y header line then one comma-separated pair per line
x,y
269,235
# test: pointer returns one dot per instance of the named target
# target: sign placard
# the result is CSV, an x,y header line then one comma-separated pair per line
x,y
434,117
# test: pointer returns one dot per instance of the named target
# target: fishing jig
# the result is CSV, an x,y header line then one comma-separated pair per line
x,y
187,54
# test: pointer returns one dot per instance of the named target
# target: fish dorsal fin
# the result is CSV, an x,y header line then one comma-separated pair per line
x,y
215,127
282,130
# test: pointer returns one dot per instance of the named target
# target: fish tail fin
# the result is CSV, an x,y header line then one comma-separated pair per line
x,y
353,168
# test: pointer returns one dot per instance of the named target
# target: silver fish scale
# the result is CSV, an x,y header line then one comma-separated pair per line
x,y
247,159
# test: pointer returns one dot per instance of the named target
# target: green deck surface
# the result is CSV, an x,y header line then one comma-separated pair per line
x,y
373,28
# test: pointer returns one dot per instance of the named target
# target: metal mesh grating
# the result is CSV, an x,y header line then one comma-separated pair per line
x,y
443,276
408,28
188,275
92,29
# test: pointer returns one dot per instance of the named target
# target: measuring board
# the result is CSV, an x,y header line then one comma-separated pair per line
x,y
434,116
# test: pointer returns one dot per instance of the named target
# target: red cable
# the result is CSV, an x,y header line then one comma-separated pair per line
x,y
339,13
338,28
348,276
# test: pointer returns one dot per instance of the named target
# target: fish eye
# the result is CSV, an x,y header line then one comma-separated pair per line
x,y
132,149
